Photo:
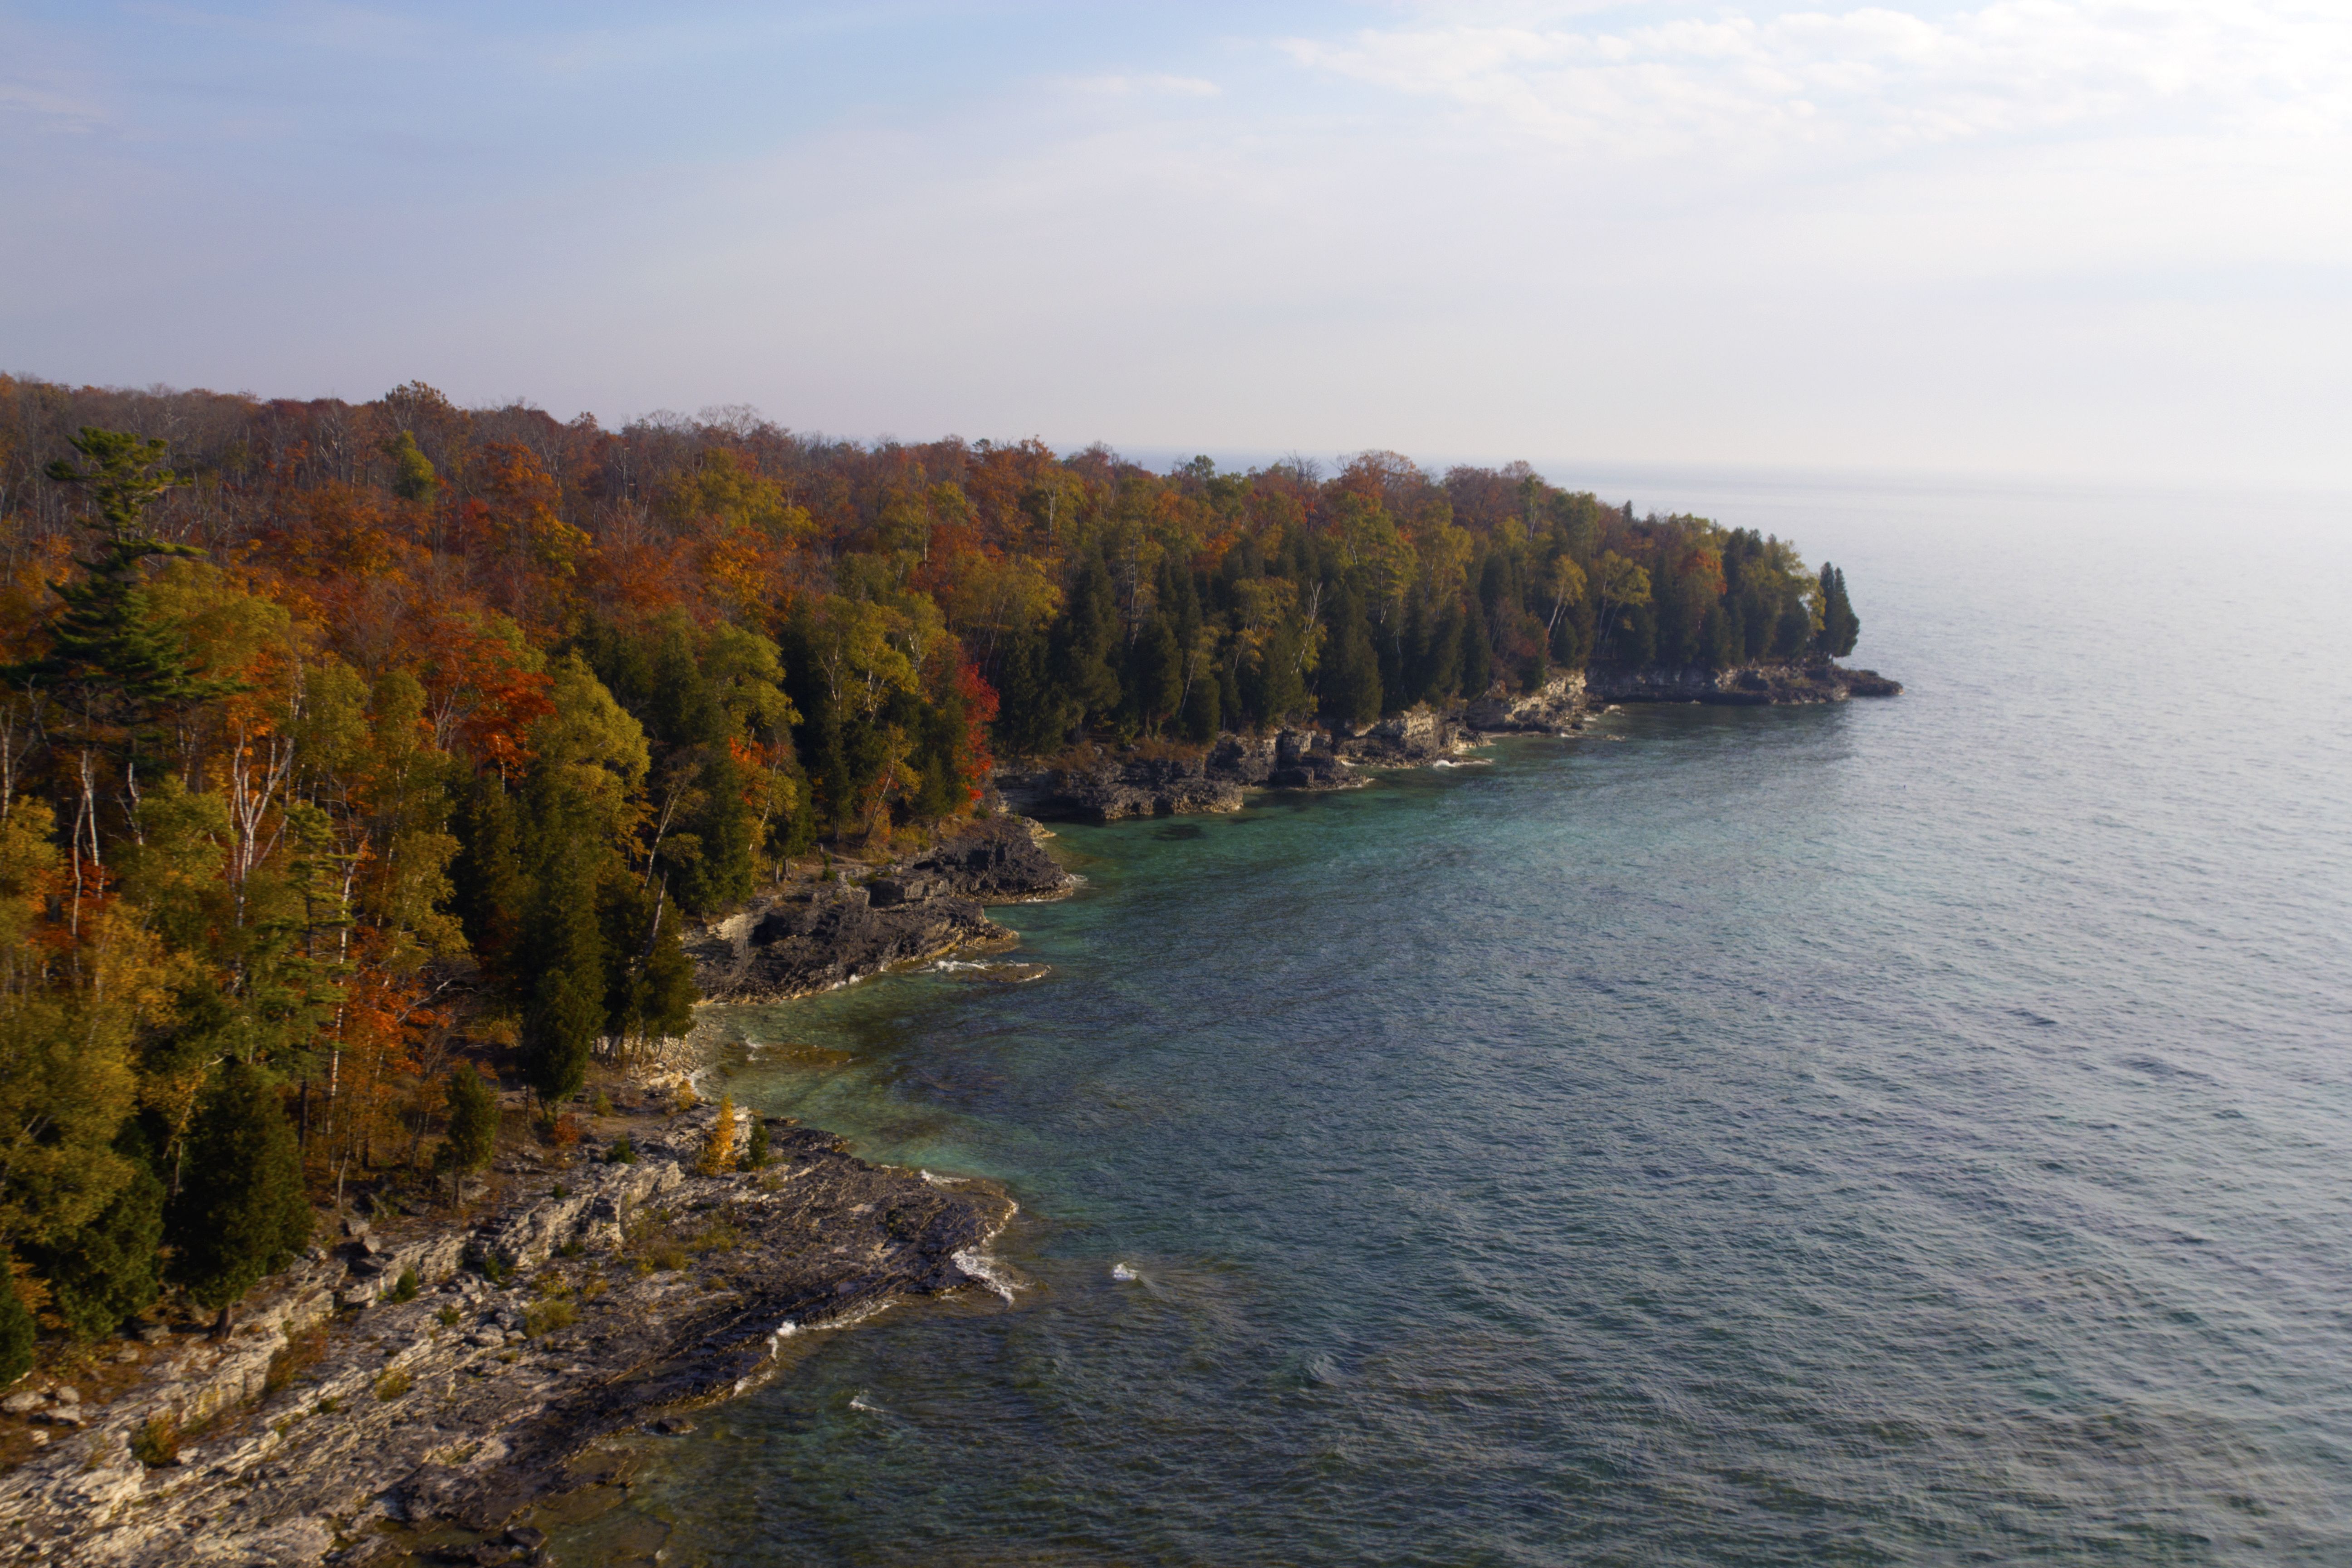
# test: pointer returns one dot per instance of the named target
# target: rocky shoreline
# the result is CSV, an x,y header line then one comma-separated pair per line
x,y
414,1392
804,938
417,1391
1094,784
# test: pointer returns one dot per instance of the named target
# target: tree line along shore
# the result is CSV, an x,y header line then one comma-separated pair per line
x,y
358,758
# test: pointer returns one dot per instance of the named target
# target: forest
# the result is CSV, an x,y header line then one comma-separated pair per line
x,y
347,748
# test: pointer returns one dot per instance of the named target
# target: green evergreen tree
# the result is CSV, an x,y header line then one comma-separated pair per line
x,y
1840,627
1155,677
240,1213
1351,667
473,1124
19,1336
1477,653
1201,705
110,1271
649,987
720,874
1084,644
1441,660
1029,719
413,478
489,892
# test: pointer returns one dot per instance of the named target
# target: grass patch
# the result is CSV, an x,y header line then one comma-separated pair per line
x,y
393,1384
299,1353
547,1317
448,1317
716,1236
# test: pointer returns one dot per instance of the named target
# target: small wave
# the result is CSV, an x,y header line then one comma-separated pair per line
x,y
941,1181
987,1271
950,966
858,1401
1123,1272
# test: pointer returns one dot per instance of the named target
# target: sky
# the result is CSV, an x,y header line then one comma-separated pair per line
x,y
2088,239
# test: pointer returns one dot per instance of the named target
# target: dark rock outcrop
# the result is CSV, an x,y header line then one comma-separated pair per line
x,y
1001,861
804,940
1107,787
1752,685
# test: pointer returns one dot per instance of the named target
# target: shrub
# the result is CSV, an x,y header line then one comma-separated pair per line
x,y
157,1443
546,1317
601,1105
666,1254
17,1332
718,1151
473,1122
622,1152
393,1384
495,1269
448,1317
404,1289
755,1152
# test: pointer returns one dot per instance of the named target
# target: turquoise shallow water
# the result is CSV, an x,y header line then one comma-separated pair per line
x,y
1910,1132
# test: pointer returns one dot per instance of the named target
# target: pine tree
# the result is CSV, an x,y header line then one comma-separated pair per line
x,y
721,873
18,1335
108,1271
1352,668
413,478
473,1125
1202,709
1029,722
490,891
240,1213
1477,653
1840,627
1155,675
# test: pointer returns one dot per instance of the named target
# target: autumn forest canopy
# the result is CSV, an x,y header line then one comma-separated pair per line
x,y
340,743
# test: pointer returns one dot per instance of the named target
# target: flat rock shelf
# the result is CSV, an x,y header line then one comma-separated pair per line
x,y
341,1424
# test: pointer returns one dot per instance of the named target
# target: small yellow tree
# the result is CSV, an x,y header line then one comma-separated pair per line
x,y
719,1155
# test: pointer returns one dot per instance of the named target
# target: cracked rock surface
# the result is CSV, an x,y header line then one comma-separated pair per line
x,y
337,1425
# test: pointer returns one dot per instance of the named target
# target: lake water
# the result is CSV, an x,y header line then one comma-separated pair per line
x,y
1911,1131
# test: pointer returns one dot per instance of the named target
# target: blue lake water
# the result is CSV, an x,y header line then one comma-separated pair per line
x,y
1911,1131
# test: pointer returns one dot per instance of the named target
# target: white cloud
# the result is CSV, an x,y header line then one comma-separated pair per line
x,y
1870,79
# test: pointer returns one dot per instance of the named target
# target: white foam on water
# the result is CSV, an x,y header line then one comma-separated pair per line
x,y
858,1401
1123,1272
940,1181
987,1271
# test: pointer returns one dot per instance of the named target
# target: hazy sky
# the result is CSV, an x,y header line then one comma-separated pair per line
x,y
2073,237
